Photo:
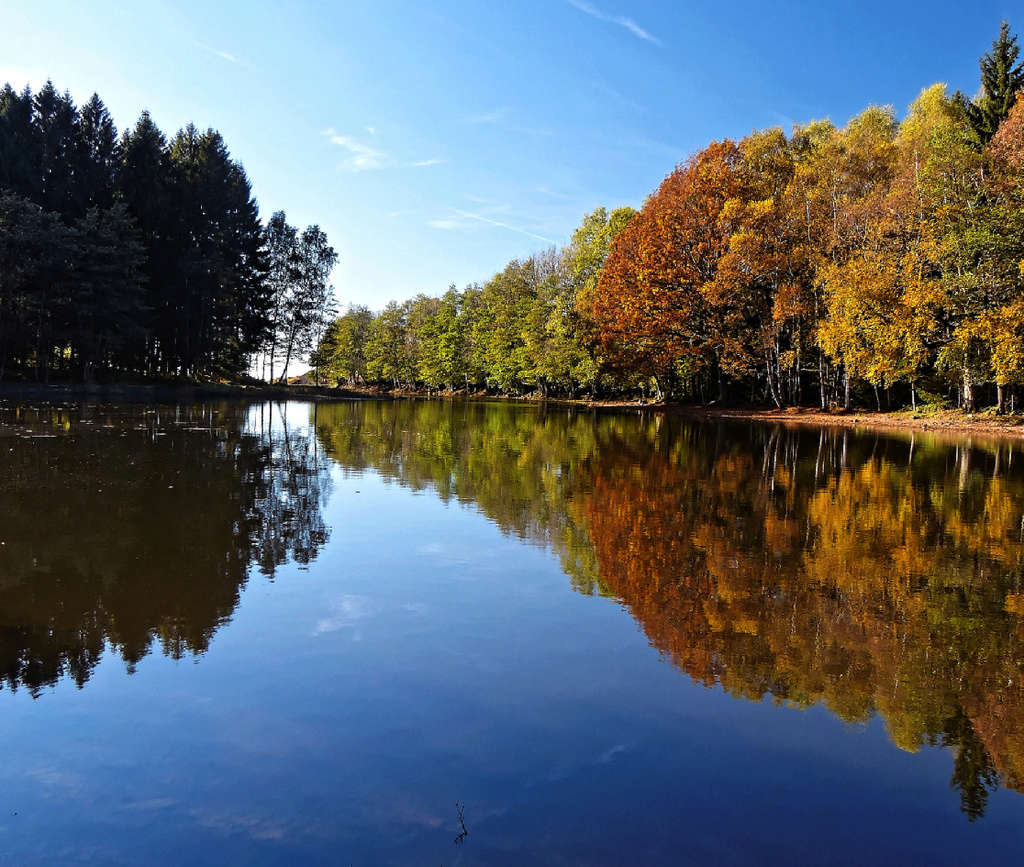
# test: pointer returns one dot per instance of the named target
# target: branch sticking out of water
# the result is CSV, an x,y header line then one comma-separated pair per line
x,y
464,833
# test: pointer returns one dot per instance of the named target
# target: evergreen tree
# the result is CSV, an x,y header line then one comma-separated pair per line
x,y
20,147
1002,78
97,171
61,148
106,306
145,185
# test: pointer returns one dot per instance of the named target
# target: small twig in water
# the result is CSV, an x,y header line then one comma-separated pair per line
x,y
464,833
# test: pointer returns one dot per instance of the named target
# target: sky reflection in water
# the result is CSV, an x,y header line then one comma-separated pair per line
x,y
342,619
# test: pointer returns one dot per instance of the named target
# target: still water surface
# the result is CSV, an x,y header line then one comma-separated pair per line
x,y
287,633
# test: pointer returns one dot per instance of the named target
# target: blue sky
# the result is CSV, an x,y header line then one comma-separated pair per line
x,y
434,141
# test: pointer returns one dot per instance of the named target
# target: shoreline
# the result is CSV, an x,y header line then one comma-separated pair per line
x,y
947,421
932,421
161,392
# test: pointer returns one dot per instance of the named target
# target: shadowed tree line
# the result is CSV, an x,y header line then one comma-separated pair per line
x,y
877,263
156,552
135,254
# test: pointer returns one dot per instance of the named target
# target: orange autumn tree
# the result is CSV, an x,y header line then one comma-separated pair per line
x,y
760,292
648,314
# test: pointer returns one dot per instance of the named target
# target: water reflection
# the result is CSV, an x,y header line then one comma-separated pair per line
x,y
871,575
874,575
128,527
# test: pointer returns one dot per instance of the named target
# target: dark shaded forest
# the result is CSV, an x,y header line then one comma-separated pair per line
x,y
138,255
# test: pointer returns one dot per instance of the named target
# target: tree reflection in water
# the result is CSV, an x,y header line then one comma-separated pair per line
x,y
128,526
870,574
873,575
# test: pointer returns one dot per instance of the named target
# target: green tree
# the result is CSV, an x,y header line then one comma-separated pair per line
x,y
441,360
341,353
1002,78
387,351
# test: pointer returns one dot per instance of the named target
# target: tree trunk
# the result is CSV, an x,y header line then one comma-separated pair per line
x,y
878,399
821,379
1000,399
913,397
968,392
771,384
846,390
287,358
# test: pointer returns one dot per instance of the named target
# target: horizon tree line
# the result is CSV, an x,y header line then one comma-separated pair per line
x,y
880,262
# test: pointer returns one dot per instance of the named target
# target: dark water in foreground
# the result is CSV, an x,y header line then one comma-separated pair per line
x,y
283,633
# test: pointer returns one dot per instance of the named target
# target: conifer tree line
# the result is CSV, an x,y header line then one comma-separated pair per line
x,y
881,262
135,254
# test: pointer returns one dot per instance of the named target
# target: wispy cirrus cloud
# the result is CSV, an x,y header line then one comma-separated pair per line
x,y
622,20
219,52
495,115
470,215
503,117
362,157
462,219
445,224
553,194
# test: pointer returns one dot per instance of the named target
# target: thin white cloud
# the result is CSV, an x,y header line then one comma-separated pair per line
x,y
219,52
496,115
469,215
502,117
544,191
361,157
621,20
444,224
372,130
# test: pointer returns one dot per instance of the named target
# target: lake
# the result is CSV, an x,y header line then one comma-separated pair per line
x,y
470,633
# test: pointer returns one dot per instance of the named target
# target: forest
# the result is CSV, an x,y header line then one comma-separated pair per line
x,y
880,263
135,255
877,264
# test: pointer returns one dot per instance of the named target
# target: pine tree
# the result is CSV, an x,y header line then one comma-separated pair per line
x,y
20,148
1002,78
99,158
